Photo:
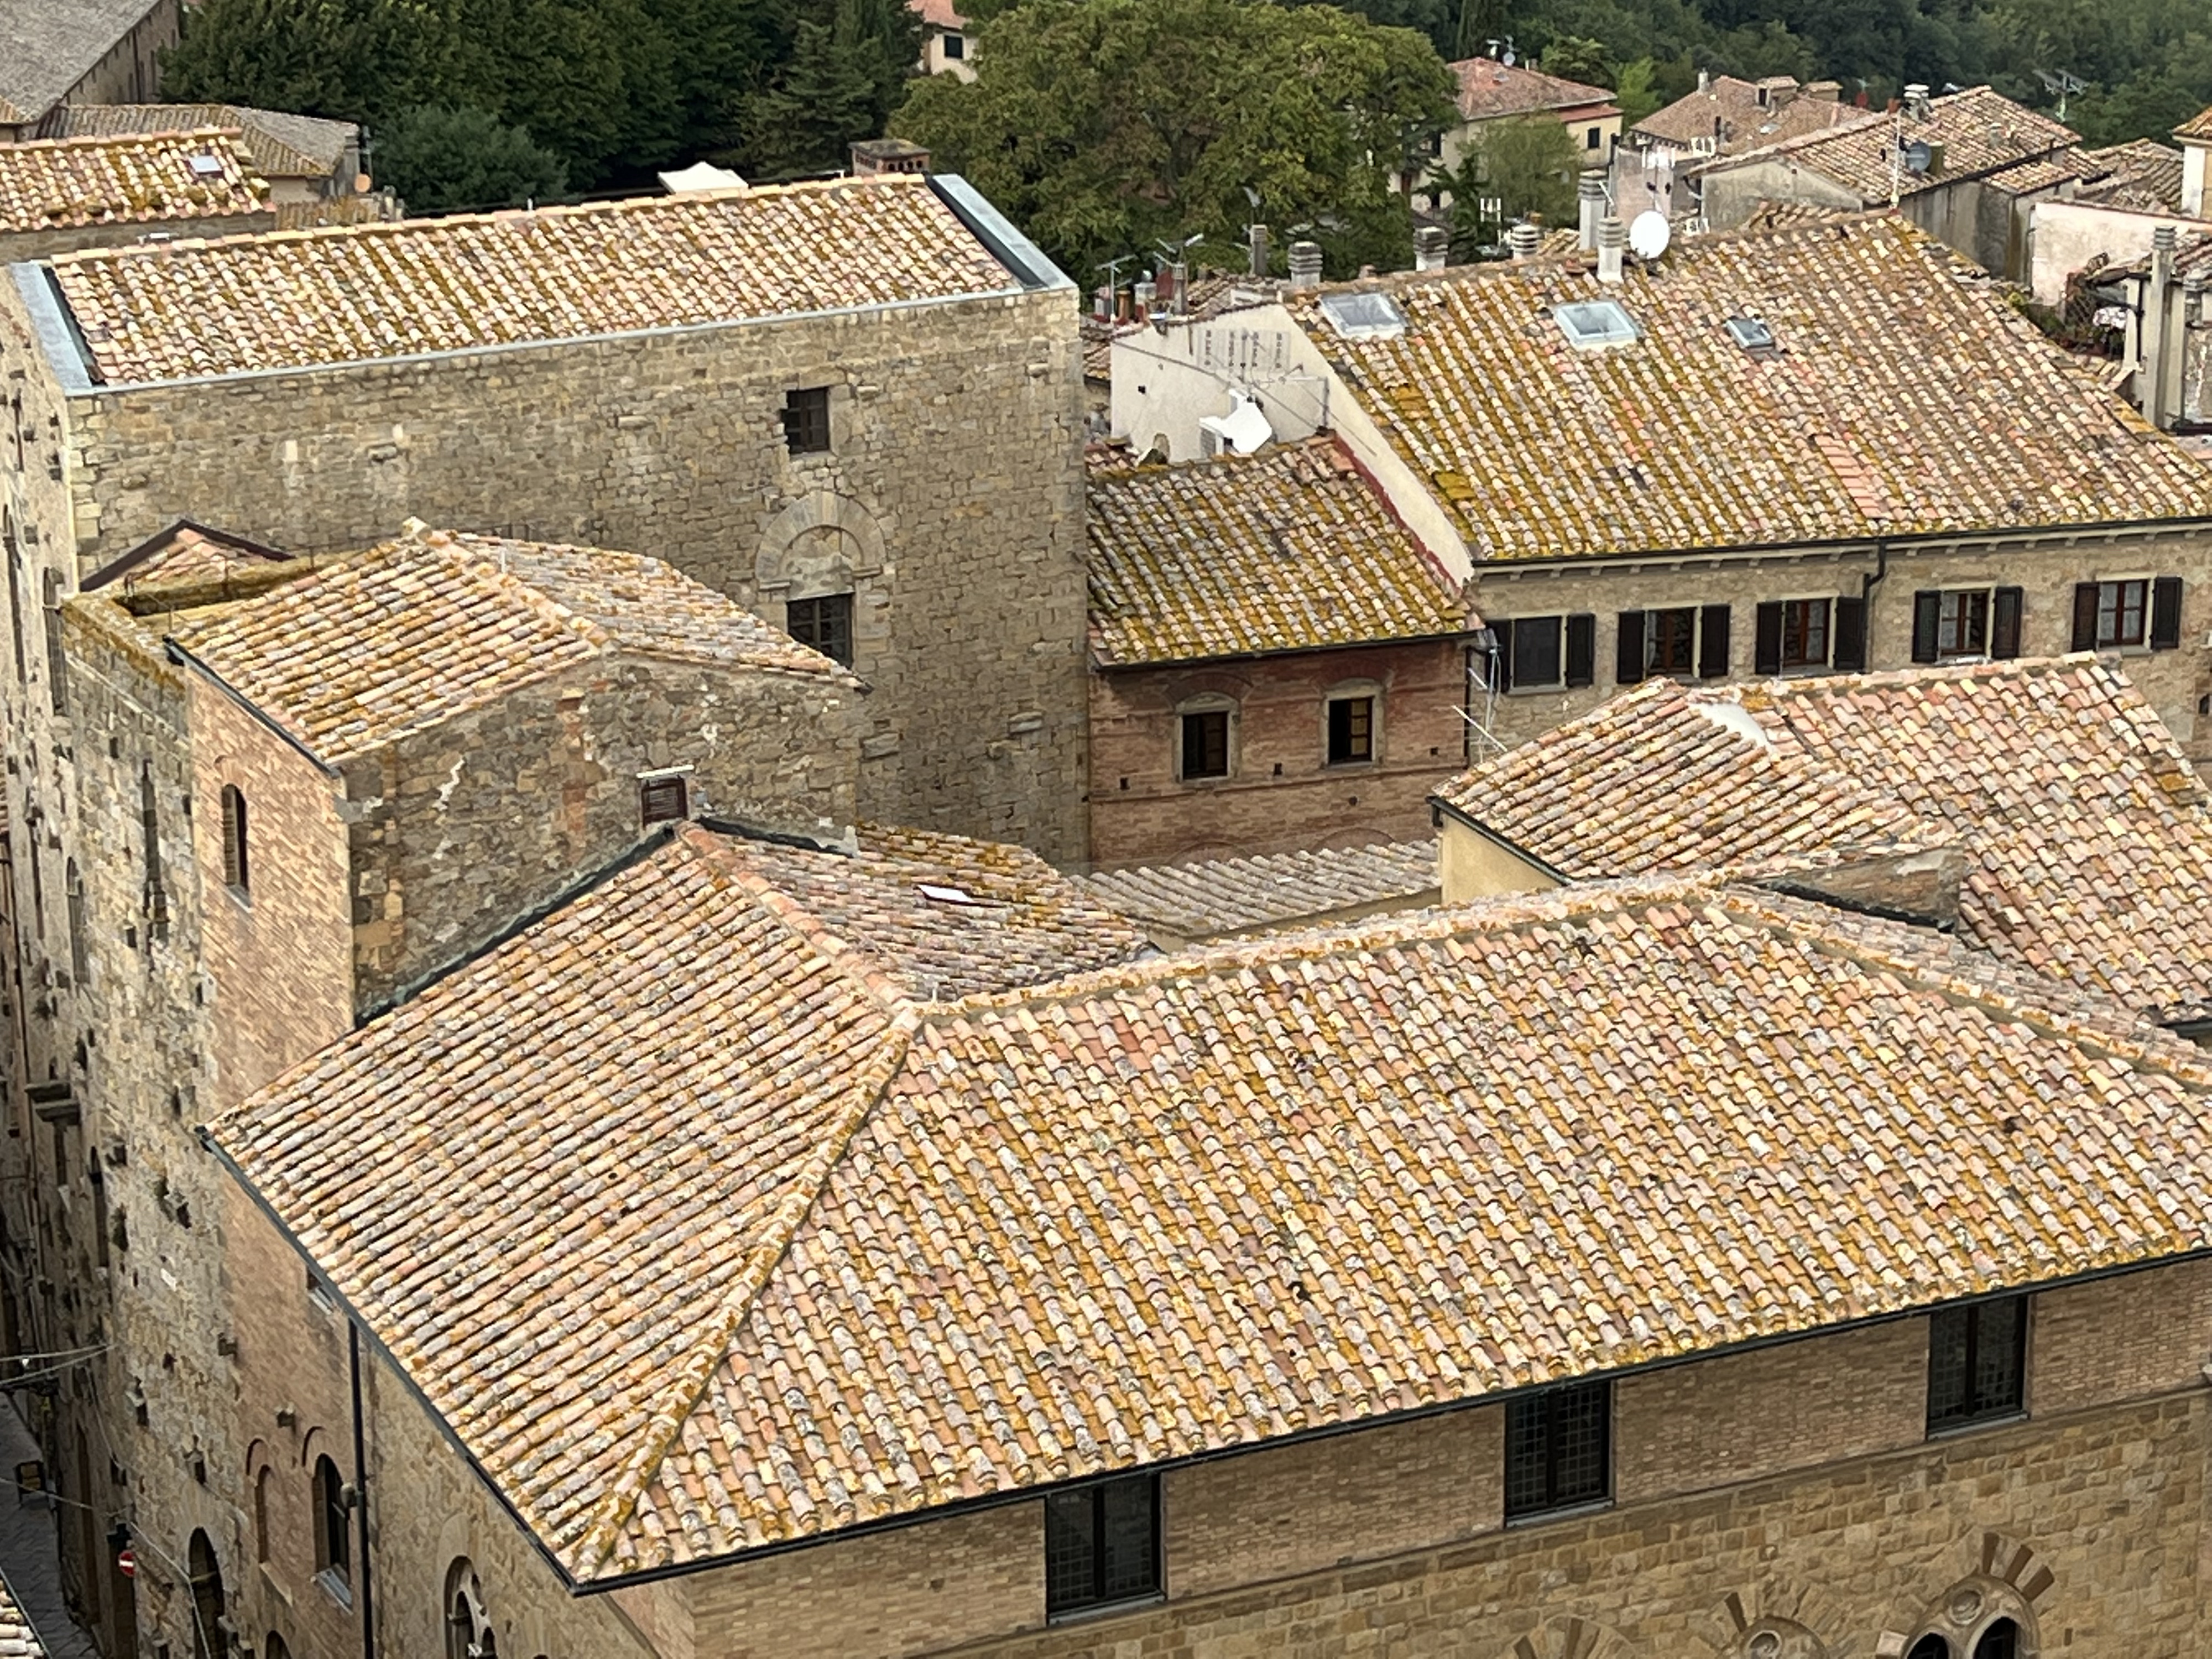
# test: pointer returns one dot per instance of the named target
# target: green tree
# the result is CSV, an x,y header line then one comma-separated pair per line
x,y
1105,127
1635,90
1480,22
1528,165
827,96
1574,57
443,160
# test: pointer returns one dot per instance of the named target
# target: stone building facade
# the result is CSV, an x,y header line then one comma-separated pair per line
x,y
929,496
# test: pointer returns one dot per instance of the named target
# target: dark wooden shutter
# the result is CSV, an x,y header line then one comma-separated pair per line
x,y
1767,656
1582,649
1713,643
2004,622
1848,656
2165,613
1927,622
1504,632
1628,662
2085,616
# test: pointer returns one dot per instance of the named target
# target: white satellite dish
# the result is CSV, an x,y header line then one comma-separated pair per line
x,y
1650,233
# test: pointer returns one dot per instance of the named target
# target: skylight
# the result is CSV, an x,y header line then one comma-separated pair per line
x,y
1593,325
205,167
1751,334
1363,316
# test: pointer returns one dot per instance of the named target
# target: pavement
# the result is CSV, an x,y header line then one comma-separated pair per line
x,y
30,1550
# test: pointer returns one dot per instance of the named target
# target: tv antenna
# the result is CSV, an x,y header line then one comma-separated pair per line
x,y
2064,83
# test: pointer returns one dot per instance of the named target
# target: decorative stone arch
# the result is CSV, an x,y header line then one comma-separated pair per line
x,y
318,1442
1570,1638
1769,1621
2007,1582
823,543
467,1622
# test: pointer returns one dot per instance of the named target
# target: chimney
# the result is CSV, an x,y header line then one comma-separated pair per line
x,y
1431,247
1612,239
1144,293
2151,374
1591,204
1102,303
1256,243
1824,92
2194,157
1916,100
1522,239
1305,265
1705,80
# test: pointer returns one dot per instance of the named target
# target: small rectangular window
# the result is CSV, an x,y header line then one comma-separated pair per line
x,y
57,655
1962,624
662,800
2123,614
1205,744
1671,641
1102,1544
1351,730
806,420
1976,1362
1805,632
1536,655
1559,1452
955,46
825,623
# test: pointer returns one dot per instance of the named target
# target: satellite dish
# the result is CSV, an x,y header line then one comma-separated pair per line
x,y
1919,156
1650,233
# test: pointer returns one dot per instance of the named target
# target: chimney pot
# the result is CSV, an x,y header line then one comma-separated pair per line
x,y
1145,294
1705,80
1591,206
1612,240
1305,265
1256,241
1522,239
1916,101
1431,247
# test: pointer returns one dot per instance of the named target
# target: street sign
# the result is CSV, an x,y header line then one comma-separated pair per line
x,y
127,1563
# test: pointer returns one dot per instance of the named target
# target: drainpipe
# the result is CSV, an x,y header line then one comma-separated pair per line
x,y
361,1493
1867,586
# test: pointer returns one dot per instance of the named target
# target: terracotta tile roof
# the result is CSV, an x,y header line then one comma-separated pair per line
x,y
1980,130
54,183
1209,296
47,46
281,146
2086,832
2198,125
938,14
1489,89
188,556
1767,214
2041,173
944,916
364,649
364,292
1906,397
2143,174
1216,898
18,1640
1289,549
1728,111
1666,779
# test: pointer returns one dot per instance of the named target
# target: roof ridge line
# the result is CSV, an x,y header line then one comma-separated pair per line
x,y
477,558
851,960
681,1398
2041,1016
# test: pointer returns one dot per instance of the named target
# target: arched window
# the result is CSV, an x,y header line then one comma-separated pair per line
x,y
262,1482
73,893
273,1647
209,1641
1999,1641
1930,1646
469,1633
332,1529
235,871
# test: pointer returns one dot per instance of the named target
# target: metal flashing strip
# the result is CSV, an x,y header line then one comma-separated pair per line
x,y
54,326
1024,257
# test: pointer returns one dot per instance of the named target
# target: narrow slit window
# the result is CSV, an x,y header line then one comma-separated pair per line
x,y
333,1552
236,868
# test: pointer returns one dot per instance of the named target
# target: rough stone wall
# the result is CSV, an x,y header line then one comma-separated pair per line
x,y
459,831
19,245
129,72
1281,794
2047,569
950,504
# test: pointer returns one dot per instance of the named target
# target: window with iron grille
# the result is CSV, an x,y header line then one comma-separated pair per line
x,y
1205,744
661,800
806,420
1351,730
825,623
1102,1544
1559,1452
1977,1360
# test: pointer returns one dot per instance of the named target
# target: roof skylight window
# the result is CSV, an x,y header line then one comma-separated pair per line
x,y
205,166
1751,334
1364,316
1594,324
938,895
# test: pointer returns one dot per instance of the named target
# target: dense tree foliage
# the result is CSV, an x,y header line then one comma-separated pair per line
x,y
613,89
1525,167
1104,126
443,160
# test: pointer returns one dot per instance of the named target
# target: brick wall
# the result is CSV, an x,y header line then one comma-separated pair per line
x,y
1282,793
2117,1339
460,830
952,503
2046,568
20,245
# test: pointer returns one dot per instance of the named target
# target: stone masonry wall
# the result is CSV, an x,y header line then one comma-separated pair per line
x,y
459,831
2176,682
20,245
1281,794
950,504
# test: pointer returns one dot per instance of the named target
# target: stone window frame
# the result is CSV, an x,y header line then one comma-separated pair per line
x,y
1965,1614
462,1614
653,792
809,426
1145,1489
1353,690
237,845
333,1521
1209,703
1555,1507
